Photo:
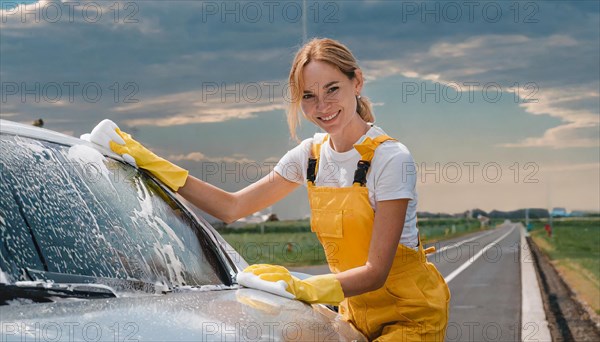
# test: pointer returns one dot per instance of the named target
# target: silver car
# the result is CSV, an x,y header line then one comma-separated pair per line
x,y
95,250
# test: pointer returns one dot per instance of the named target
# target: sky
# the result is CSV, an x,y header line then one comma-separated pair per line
x,y
497,101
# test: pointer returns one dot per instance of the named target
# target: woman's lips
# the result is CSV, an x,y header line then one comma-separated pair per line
x,y
330,117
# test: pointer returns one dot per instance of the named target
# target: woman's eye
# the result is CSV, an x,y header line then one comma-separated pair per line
x,y
333,89
307,96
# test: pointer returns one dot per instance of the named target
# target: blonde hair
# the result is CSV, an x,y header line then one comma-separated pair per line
x,y
329,51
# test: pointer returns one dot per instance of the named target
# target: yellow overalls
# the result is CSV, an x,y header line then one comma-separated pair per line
x,y
413,304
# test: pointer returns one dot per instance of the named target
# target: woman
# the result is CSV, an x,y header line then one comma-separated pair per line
x,y
363,204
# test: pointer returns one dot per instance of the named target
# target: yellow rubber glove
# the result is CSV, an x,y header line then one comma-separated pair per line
x,y
108,134
170,174
322,289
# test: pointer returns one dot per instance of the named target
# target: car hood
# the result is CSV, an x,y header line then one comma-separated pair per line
x,y
242,314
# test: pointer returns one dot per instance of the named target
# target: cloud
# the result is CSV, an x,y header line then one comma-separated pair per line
x,y
171,51
196,107
559,91
571,167
272,160
193,156
565,136
70,133
50,15
201,157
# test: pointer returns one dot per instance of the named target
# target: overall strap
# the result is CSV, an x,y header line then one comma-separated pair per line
x,y
367,151
313,160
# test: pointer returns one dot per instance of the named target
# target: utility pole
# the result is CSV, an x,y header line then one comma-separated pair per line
x,y
549,199
304,23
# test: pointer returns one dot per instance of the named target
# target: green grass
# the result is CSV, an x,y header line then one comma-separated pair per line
x,y
574,240
291,243
574,249
275,227
440,229
272,248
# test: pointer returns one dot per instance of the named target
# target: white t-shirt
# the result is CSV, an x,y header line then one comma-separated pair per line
x,y
392,174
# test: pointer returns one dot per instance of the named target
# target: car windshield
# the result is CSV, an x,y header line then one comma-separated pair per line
x,y
69,210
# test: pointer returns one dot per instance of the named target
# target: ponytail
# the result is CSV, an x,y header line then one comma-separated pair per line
x,y
364,109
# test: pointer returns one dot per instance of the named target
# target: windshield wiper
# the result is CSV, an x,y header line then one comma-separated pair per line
x,y
41,291
117,284
204,288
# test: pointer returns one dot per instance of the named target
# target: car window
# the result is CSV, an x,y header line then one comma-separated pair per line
x,y
70,210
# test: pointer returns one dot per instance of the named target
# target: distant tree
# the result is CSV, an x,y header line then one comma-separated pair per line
x,y
219,224
272,218
38,123
477,212
519,214
426,214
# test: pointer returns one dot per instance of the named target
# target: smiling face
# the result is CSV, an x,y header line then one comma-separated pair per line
x,y
329,100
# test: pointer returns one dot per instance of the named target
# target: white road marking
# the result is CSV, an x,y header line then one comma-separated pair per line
x,y
476,256
458,244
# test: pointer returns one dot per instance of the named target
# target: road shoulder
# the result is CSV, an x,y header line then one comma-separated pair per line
x,y
568,320
534,325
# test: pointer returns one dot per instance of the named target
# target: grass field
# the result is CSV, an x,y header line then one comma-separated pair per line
x,y
289,249
291,243
574,249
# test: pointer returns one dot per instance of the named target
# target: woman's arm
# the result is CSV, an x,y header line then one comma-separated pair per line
x,y
387,229
228,206
218,203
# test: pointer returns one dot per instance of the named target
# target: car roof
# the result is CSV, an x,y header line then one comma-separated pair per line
x,y
24,130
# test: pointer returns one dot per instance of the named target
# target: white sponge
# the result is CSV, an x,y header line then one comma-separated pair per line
x,y
251,280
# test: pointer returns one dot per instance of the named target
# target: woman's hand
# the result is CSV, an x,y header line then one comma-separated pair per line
x,y
322,289
103,134
108,134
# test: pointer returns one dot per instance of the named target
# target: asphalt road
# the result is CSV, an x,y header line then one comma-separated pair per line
x,y
483,272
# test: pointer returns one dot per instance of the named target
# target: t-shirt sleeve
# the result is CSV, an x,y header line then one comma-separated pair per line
x,y
292,166
397,177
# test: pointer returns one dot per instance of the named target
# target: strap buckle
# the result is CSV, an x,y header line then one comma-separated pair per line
x,y
360,175
310,171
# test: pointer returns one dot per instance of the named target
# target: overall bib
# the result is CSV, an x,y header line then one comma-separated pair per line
x,y
414,302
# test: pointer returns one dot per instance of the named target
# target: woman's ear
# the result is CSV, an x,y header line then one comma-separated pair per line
x,y
358,81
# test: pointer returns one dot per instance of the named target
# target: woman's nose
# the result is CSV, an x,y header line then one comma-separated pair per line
x,y
322,104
